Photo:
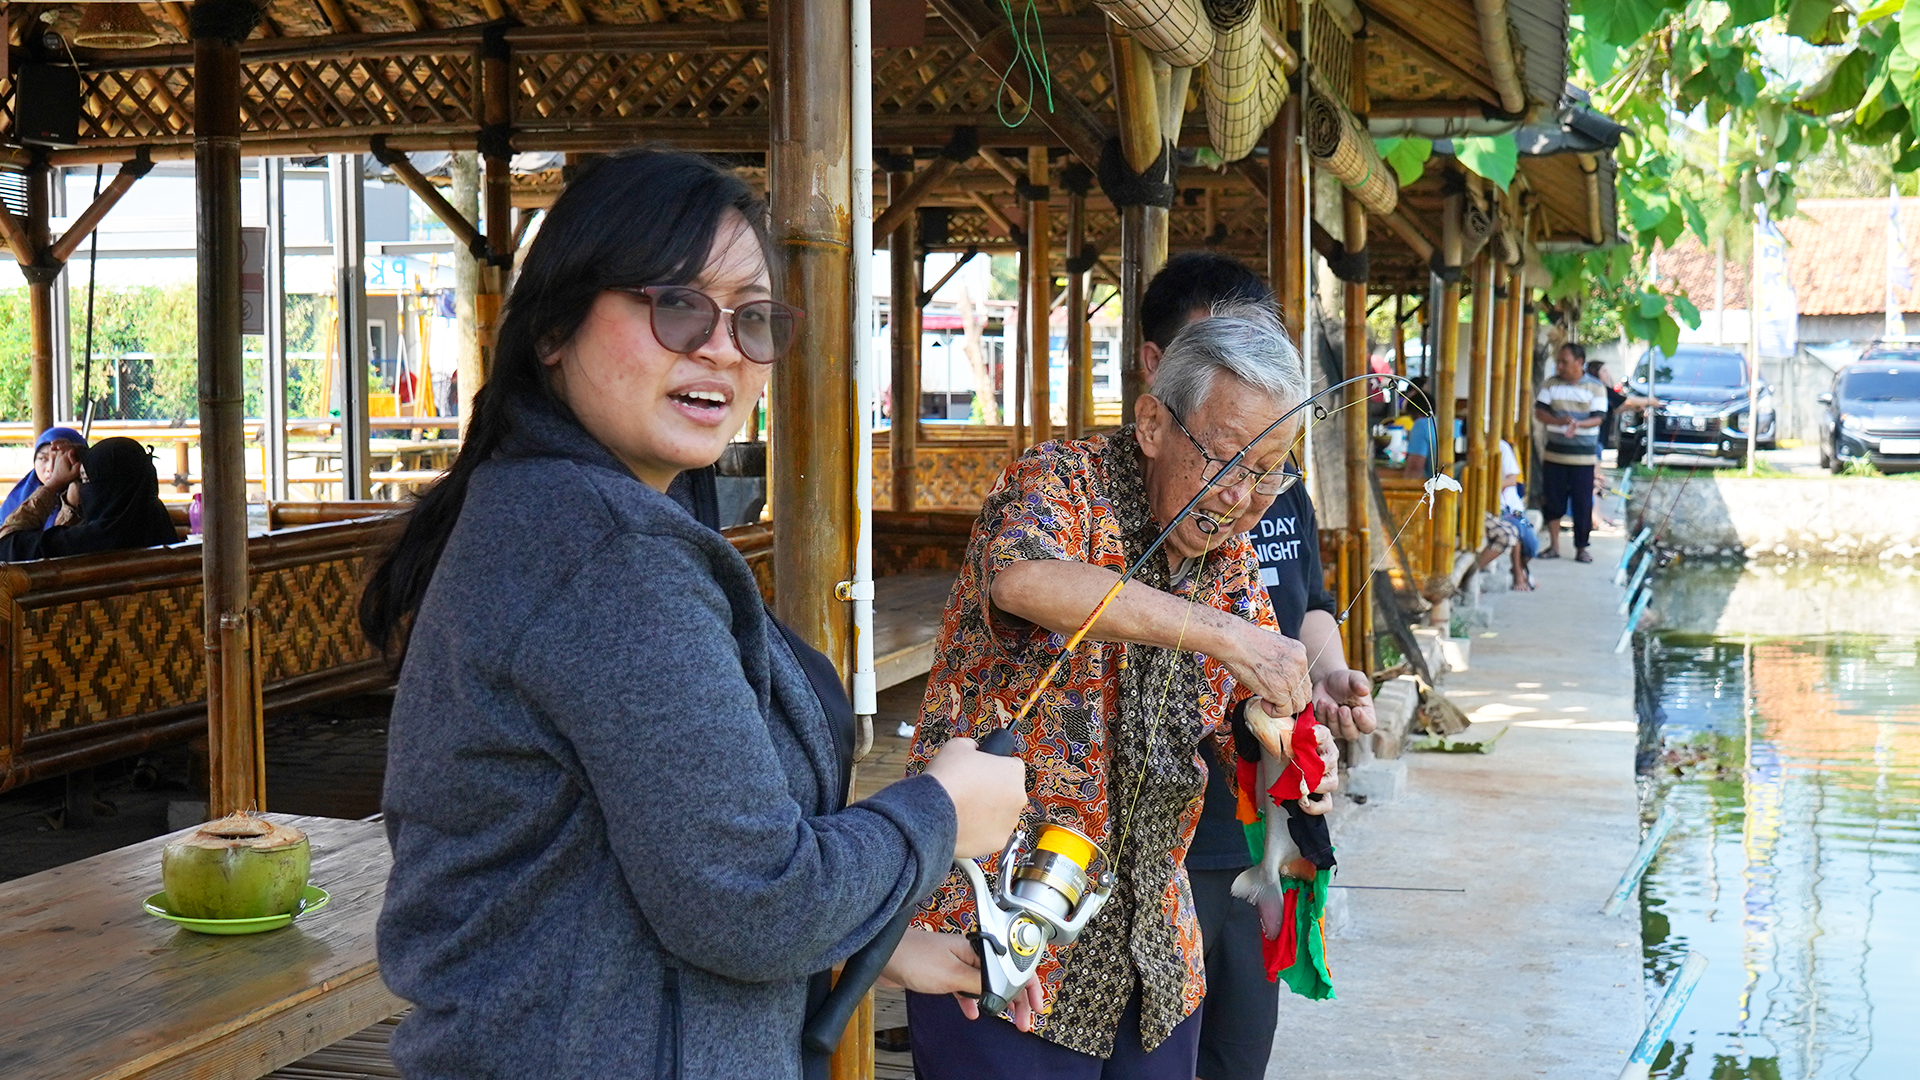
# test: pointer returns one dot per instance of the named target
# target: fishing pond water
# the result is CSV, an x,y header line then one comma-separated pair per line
x,y
1779,715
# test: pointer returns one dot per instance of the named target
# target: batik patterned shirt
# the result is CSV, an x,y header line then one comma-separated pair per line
x,y
1113,747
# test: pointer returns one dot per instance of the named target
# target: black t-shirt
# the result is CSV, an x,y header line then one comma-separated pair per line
x,y
1287,541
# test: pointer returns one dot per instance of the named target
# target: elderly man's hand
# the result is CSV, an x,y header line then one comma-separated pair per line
x,y
1273,666
1343,700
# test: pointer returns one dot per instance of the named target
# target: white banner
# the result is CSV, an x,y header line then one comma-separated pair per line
x,y
1777,307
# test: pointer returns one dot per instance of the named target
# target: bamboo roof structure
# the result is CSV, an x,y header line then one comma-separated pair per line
x,y
325,76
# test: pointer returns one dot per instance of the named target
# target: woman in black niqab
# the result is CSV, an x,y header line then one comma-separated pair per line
x,y
120,509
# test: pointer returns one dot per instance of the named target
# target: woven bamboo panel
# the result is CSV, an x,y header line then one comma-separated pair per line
x,y
948,478
579,86
137,652
288,97
949,78
1395,74
1332,55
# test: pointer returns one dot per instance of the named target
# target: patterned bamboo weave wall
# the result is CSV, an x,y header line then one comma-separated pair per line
x,y
113,651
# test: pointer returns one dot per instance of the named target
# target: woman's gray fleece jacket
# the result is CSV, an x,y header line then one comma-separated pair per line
x,y
611,795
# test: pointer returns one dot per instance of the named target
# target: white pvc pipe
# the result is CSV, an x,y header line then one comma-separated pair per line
x,y
1679,990
1649,847
864,690
1307,295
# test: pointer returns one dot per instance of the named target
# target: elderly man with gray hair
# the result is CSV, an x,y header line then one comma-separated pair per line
x,y
1114,746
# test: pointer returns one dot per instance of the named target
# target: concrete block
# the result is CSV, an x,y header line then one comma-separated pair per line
x,y
1393,711
1377,781
184,814
1429,638
1339,918
1457,653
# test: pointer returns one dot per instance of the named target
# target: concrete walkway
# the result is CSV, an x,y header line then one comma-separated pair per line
x,y
1519,975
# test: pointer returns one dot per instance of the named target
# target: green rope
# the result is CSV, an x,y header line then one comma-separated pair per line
x,y
1032,56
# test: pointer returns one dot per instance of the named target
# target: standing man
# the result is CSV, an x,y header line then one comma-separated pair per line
x,y
1572,405
1118,746
1243,1005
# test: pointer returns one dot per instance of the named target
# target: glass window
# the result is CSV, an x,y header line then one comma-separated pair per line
x,y
1883,384
1692,368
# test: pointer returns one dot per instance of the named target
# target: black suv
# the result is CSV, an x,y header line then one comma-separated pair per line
x,y
1702,391
1873,410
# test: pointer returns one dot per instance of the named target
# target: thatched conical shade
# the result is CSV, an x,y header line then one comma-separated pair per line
x,y
115,26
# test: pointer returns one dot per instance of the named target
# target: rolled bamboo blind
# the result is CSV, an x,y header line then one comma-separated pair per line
x,y
1245,85
1176,31
1338,142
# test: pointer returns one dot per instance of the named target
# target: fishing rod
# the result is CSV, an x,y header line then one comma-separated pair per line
x,y
1056,896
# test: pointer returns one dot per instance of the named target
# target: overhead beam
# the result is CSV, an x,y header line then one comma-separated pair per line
x,y
915,193
649,37
456,222
1496,43
89,218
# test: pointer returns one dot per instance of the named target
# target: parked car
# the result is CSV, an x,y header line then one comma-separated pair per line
x,y
1702,390
1873,411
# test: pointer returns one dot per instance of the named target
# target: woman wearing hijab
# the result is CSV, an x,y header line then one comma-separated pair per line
x,y
120,506
45,448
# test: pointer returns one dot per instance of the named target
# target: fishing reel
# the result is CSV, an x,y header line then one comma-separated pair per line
x,y
1046,896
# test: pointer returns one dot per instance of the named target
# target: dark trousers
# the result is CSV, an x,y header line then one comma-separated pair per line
x,y
1243,1007
1568,489
948,1046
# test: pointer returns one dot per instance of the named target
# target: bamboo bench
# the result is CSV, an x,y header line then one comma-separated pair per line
x,y
103,654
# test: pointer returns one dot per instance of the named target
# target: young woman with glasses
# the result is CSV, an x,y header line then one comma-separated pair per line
x,y
615,785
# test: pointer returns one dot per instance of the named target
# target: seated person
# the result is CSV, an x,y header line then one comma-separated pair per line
x,y
1420,439
1509,530
51,441
120,506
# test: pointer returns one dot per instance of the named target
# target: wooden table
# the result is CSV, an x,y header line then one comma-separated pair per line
x,y
92,987
906,620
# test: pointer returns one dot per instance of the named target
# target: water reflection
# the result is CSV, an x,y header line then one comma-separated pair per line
x,y
1795,766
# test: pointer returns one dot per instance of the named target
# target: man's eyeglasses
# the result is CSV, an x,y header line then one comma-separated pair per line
x,y
683,319
1272,482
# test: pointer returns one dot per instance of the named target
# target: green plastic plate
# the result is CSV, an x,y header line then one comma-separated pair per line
x,y
312,898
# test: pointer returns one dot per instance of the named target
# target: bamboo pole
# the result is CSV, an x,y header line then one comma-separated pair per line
x,y
1501,369
496,191
1133,284
1522,402
1480,357
1137,101
1399,335
1039,300
1446,504
810,187
1287,201
41,274
903,312
234,750
1355,434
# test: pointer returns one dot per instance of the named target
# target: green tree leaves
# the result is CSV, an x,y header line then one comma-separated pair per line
x,y
1494,157
1408,155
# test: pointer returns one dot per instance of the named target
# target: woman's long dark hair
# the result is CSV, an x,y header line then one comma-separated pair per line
x,y
642,217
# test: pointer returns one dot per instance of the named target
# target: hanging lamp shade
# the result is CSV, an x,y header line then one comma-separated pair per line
x,y
115,26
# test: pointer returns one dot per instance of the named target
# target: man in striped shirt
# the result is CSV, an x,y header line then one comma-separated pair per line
x,y
1572,405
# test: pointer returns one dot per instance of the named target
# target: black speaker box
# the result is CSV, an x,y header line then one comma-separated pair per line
x,y
46,107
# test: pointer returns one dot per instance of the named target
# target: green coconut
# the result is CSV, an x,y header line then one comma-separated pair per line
x,y
240,867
